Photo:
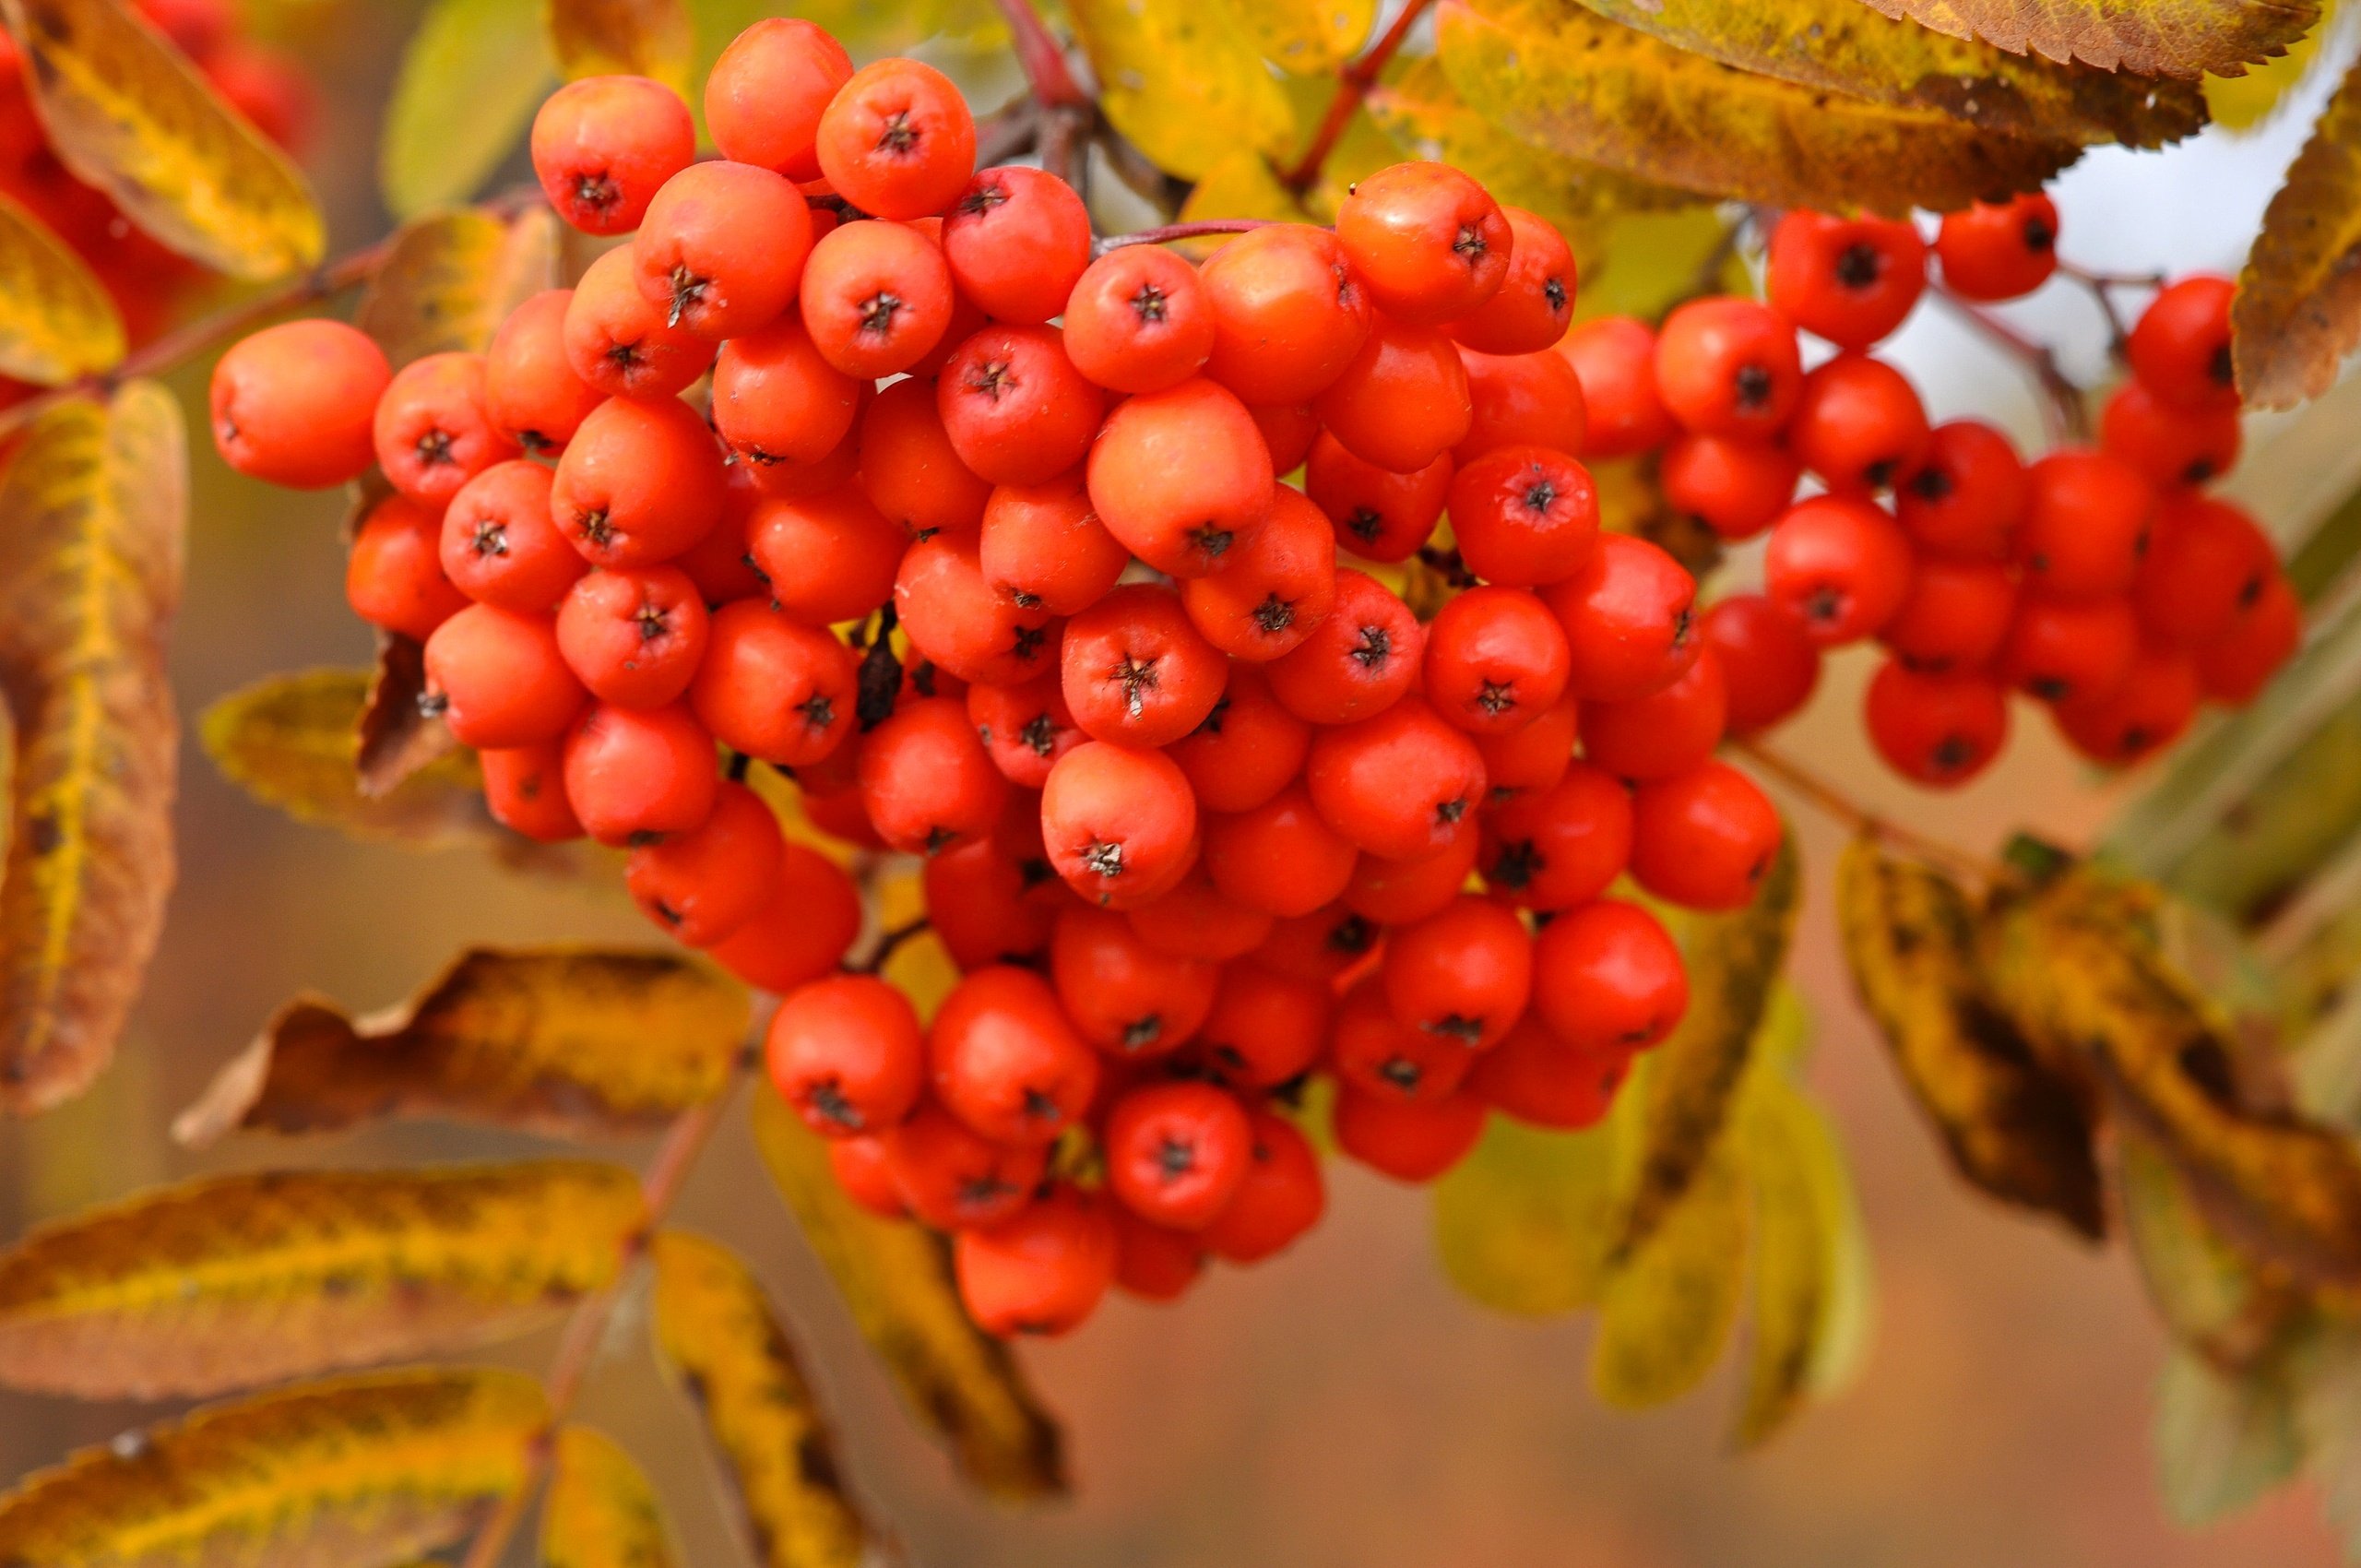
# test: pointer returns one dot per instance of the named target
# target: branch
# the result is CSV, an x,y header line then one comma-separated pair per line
x,y
1832,800
890,942
660,1188
1353,83
2064,408
2100,286
1041,58
1008,132
1180,232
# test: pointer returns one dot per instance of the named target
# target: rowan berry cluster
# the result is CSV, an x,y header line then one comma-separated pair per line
x,y
2102,581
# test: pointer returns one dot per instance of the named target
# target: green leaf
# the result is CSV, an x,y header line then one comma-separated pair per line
x,y
471,79
1667,1311
1524,1223
2327,1373
2222,1440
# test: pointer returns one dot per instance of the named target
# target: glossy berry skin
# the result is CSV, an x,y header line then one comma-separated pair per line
x,y
1464,972
2180,346
897,140
1410,1143
1842,566
530,387
1520,400
1152,1262
1281,857
846,1052
1955,617
523,787
1402,783
1377,514
1665,732
633,636
1193,918
1271,591
2058,649
294,404
1120,823
1727,366
1266,1027
826,558
909,471
394,576
1281,1197
1607,976
1288,313
926,780
1535,1078
2207,564
1127,999
619,344
1357,662
986,906
765,97
1429,243
1935,729
1525,516
1138,320
1289,430
1017,241
1370,1050
954,1179
704,884
1135,671
876,298
1858,425
955,618
1851,280
772,687
777,401
1044,546
1244,751
634,777
802,933
1181,477
500,544
1560,845
604,146
1737,488
1025,727
2169,444
722,247
431,432
497,679
1999,250
2148,711
1398,891
1496,659
1967,496
1615,359
2235,665
1325,945
1403,401
859,1165
1016,409
2087,516
1629,618
1177,1153
639,483
1769,665
1704,839
1002,1058
1535,303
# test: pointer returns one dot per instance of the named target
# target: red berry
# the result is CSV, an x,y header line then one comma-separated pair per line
x,y
1193,918
1018,240
394,576
1938,729
897,141
1403,401
1851,280
1180,477
826,558
1401,783
1607,975
1464,972
859,1166
1532,1077
1665,732
765,97
2207,564
1496,661
2148,711
1409,1142
1003,1058
294,404
530,386
1266,1027
1525,516
1016,409
2180,347
1135,671
1370,1050
1999,250
1955,617
524,789
1858,425
955,617
876,298
774,687
1126,998
1840,566
1152,1262
2236,664
1271,591
1246,750
633,636
703,884
926,780
1398,891
1630,620
433,434
640,482
1138,320
616,342
1288,313
909,468
1281,1197
1177,1153
1120,824
1967,496
2085,525
1043,1269
1729,367
1043,546
1026,728
2170,444
1377,514
1279,858
1357,661
1520,400
2062,648
1705,839
634,775
953,1178
1559,845
1615,359
1430,244
497,679
777,402
1535,302
1769,663
1737,488
721,249
802,933
604,145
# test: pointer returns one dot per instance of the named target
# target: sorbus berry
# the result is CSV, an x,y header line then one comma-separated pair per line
x,y
1999,250
1370,1050
619,344
1281,1197
1496,659
2169,444
1018,240
523,787
1244,751
1955,616
876,297
926,780
1737,488
2148,711
1535,301
1152,1262
2180,346
2062,648
1841,566
1536,1079
431,433
394,576
1138,320
635,775
1430,244
1177,1153
909,468
1376,514
1272,591
1398,891
1325,945
721,249
1266,1027
1289,430
1409,1142
1043,546
1120,824
1280,857
1967,496
1630,619
2236,664
1615,359
604,146
2085,525
1665,732
1533,757
777,401
633,635
772,687
802,933
897,140
766,94
1288,313
1400,783
640,482
984,908
530,386
1126,998
1520,400
296,404
1003,1058
1728,366
1938,729
1464,972
1016,409
1401,401
1607,975
1180,477
1858,425
1558,845
1525,516
1705,839
1769,664
1193,918
954,1178
1135,671
827,558
704,884
955,618
1025,727
497,679
859,1165
1851,280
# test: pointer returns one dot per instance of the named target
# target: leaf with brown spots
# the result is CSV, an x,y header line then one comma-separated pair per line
x,y
393,737
1668,1306
569,1041
1566,80
719,1336
91,515
2297,312
894,1277
452,278
632,38
57,321
241,1280
2156,38
601,1511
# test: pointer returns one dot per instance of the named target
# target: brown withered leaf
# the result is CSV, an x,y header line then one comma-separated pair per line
x,y
2153,38
2010,1128
1566,80
395,740
2071,968
568,1042
241,1280
724,1344
129,114
1693,1076
894,1277
91,515
2298,311
636,37
56,319
452,278
379,1469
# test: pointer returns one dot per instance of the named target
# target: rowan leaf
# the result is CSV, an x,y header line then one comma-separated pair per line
x,y
724,1344
601,1511
894,1277
363,1472
2208,1293
569,1041
1692,1079
1241,184
1525,1222
57,321
452,278
91,515
128,113
1568,81
2222,1440
2328,1419
2242,103
1808,1290
1842,46
632,38
2153,38
1668,1309
1306,37
2011,1128
1182,81
2298,311
471,79
394,738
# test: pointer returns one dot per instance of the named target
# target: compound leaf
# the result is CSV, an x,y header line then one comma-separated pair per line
x,y
57,321
2298,306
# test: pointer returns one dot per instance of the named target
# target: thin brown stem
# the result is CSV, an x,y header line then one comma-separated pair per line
x,y
892,941
2064,408
2100,286
1041,58
1353,83
1827,798
1180,232
660,1187
1009,132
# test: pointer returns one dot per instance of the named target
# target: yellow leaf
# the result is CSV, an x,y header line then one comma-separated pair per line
x,y
2242,103
452,278
57,322
1241,184
1667,1311
894,1277
2011,1128
2297,312
868,29
1842,46
920,968
1524,1223
1568,81
601,1511
633,38
1692,1079
719,1336
362,1472
1182,81
1306,36
2156,37
566,1042
91,515
128,113
472,76
243,1280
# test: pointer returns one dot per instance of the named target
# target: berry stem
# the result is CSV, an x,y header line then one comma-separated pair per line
x,y
2065,409
1041,58
2100,286
1834,801
660,1187
1180,232
890,942
1353,82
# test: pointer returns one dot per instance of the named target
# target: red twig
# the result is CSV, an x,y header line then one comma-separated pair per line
x,y
1181,232
1043,61
1832,800
2063,405
1353,83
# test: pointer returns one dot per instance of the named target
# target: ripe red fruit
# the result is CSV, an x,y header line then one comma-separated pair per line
x,y
848,1054
1281,1197
1769,663
2169,444
1999,250
1136,671
1018,240
524,789
876,297
1843,567
859,1166
2235,665
1607,975
1615,359
1705,839
1559,845
1525,516
802,933
1270,591
1858,425
394,576
1630,619
1370,1050
703,884
1177,1153
640,482
988,906
1409,1142
619,344
1126,998
955,617
1043,546
1737,488
1278,857
497,679
2085,525
777,402
772,687
1464,972
1377,514
431,432
530,386
1534,757
2062,648
1138,320
1357,661
1180,477
1025,727
1430,244
1728,366
721,249
1246,750
1496,661
1325,945
1967,496
909,469
1016,409
1535,302
634,775
1520,400
1043,1269
295,404
1195,919
926,780
897,141
2148,711
604,146
766,94
1401,401
1401,783
1398,891
2180,347
954,1179
1002,1058
1266,1027
1120,824
1851,280
1288,313
1665,732
1152,1262
826,558
634,635
1955,617
1535,1077
1938,729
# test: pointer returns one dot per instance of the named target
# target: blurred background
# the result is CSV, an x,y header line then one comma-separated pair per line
x,y
1342,1405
